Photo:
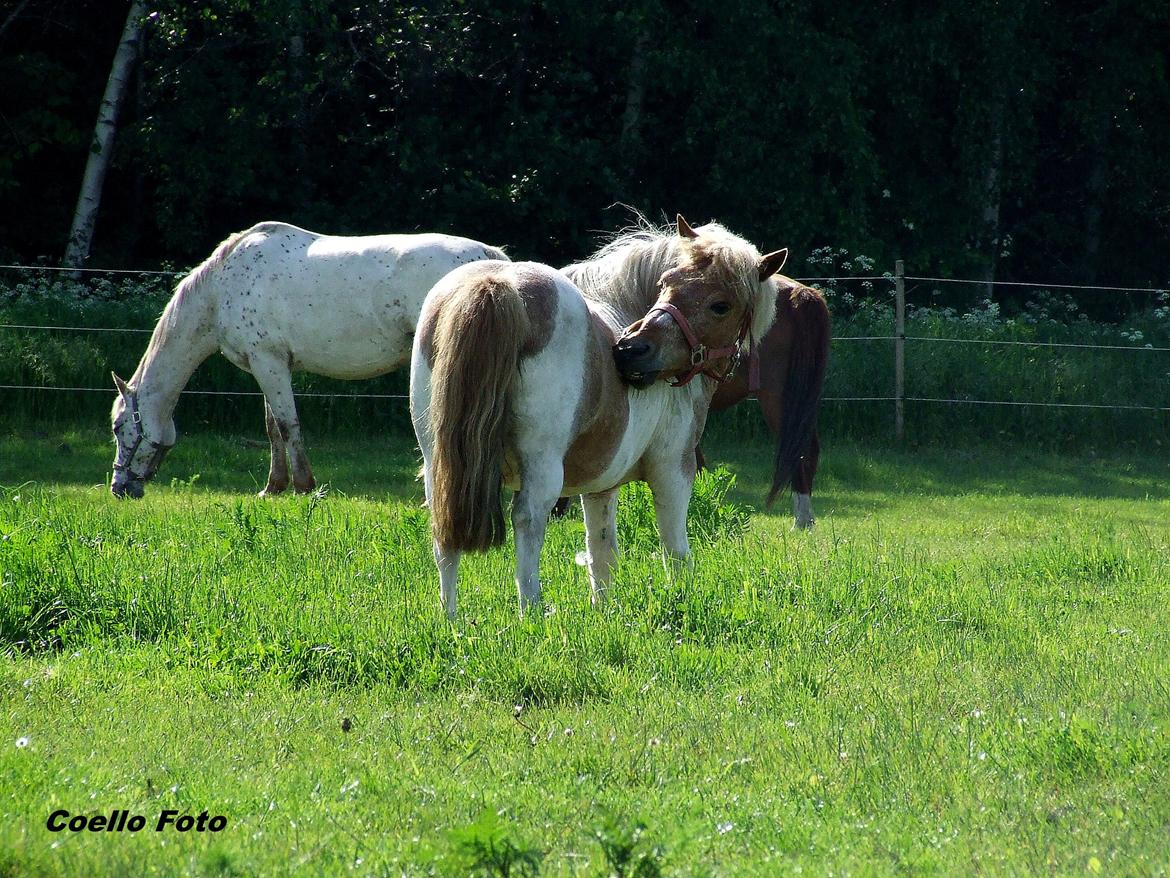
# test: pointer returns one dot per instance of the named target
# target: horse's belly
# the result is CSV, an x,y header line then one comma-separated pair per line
x,y
367,358
639,439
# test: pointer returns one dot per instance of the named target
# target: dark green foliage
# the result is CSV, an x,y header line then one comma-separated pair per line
x,y
966,139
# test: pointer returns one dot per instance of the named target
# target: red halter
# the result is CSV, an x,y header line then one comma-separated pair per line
x,y
701,355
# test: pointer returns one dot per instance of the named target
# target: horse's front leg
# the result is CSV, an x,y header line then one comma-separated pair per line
x,y
540,486
671,487
278,468
274,378
600,540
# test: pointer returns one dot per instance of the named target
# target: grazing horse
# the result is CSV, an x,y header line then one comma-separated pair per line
x,y
513,382
273,299
793,357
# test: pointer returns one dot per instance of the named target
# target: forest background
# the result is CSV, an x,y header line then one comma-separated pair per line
x,y
982,139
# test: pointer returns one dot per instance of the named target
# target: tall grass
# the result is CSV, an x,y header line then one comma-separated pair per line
x,y
959,670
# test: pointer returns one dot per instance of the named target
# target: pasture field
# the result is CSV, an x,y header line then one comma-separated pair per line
x,y
963,670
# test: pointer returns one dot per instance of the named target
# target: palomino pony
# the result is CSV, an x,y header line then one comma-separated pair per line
x,y
793,356
275,298
513,382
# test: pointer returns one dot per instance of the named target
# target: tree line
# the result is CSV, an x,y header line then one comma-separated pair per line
x,y
982,139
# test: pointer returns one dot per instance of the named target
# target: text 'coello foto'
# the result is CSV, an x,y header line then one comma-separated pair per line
x,y
123,821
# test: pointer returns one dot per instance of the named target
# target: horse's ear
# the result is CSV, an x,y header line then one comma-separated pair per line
x,y
772,263
121,385
684,228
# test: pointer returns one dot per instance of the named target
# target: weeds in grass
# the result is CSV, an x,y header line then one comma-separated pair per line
x,y
487,848
627,851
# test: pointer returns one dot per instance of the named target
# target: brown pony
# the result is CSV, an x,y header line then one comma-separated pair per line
x,y
793,357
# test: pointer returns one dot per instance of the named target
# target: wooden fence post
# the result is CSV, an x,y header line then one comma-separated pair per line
x,y
899,351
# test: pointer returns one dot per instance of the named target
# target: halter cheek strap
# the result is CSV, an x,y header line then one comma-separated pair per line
x,y
701,355
158,449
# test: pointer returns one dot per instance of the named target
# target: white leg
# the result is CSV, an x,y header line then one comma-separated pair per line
x,y
672,496
448,563
600,540
802,511
278,467
540,486
275,380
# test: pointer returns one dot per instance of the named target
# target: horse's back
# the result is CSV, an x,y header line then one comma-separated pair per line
x,y
552,350
343,306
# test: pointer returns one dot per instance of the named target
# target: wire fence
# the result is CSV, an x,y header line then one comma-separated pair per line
x,y
898,338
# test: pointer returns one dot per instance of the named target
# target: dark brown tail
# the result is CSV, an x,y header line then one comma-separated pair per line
x,y
807,362
477,343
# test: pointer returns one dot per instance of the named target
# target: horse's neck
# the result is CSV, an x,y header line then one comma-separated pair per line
x,y
172,357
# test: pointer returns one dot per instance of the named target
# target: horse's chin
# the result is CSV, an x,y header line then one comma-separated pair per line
x,y
640,380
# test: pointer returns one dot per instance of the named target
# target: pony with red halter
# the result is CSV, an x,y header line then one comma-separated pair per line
x,y
559,383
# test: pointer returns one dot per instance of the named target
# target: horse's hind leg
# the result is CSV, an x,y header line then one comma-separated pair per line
x,y
447,560
600,540
540,481
278,468
275,380
802,482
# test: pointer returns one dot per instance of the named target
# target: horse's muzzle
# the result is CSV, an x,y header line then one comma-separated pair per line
x,y
636,362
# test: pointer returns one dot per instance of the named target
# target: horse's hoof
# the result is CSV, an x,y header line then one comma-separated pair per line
x,y
272,491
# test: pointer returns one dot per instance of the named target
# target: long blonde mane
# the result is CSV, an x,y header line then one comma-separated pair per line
x,y
623,275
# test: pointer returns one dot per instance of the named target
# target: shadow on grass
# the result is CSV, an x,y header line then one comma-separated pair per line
x,y
853,478
232,463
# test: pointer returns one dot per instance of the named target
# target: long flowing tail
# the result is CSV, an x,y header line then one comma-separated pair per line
x,y
477,341
807,362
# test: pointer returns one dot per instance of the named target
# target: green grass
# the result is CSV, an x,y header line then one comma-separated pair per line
x,y
963,670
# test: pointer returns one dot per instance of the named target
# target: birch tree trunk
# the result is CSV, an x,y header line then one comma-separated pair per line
x,y
88,202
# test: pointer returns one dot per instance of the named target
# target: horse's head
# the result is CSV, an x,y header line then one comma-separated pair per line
x,y
708,304
140,449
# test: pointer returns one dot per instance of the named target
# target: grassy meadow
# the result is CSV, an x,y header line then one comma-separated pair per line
x,y
962,670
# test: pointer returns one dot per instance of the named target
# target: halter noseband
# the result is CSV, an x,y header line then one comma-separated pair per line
x,y
701,355
159,449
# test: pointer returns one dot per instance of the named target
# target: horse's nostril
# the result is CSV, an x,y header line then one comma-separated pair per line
x,y
633,349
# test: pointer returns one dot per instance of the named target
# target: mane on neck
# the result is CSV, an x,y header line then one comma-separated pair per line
x,y
176,316
623,275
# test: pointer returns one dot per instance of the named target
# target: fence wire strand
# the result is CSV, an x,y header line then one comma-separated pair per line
x,y
59,268
1020,283
301,394
850,338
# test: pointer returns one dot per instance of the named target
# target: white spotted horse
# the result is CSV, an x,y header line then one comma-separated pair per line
x,y
558,383
274,299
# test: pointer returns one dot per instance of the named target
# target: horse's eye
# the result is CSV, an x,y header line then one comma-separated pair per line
x,y
720,308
